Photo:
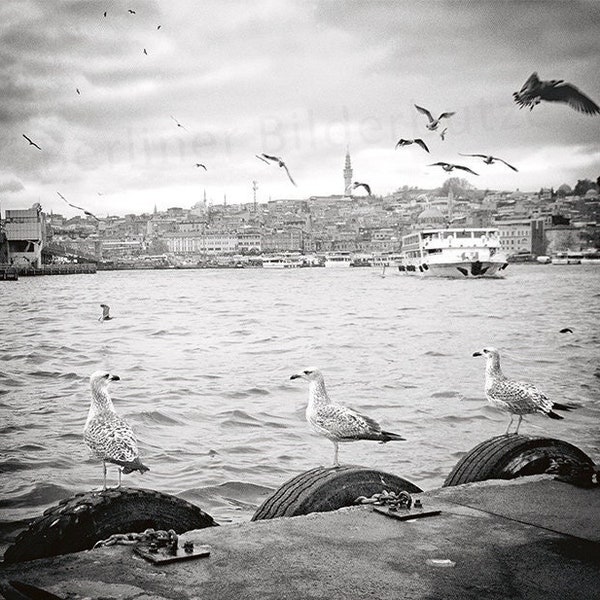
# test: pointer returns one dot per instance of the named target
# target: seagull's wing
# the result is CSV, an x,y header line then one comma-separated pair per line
x,y
364,185
446,115
477,155
402,142
288,173
572,96
531,83
275,158
261,158
421,143
346,424
32,143
438,164
503,161
465,169
425,112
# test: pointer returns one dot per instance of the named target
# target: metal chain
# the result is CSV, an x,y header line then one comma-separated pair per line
x,y
392,499
160,537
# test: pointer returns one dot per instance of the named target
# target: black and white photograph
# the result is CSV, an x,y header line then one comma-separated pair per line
x,y
299,299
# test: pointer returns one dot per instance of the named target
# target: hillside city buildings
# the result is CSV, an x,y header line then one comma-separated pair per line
x,y
530,224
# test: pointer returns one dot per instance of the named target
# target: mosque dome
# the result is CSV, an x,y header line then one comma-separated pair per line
x,y
431,216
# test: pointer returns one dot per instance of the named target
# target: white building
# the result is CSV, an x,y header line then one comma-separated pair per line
x,y
25,232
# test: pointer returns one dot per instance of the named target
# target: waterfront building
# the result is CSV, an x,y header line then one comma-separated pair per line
x,y
522,236
201,242
25,232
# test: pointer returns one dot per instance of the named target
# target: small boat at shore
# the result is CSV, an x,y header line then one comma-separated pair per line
x,y
282,261
469,253
567,258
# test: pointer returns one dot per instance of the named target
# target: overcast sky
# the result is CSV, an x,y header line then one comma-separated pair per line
x,y
300,79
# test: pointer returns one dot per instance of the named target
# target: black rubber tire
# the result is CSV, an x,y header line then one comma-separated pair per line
x,y
77,523
325,489
511,456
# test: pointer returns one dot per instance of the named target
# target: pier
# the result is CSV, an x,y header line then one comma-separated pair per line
x,y
13,273
533,537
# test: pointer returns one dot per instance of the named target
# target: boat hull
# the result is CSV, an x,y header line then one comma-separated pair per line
x,y
457,270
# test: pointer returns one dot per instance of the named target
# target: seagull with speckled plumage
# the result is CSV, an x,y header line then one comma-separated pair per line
x,y
108,436
515,397
336,422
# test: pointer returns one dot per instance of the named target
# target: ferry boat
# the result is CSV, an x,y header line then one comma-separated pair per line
x,y
453,252
567,258
282,261
338,259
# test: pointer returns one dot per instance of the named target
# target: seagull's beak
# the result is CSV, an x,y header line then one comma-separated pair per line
x,y
296,376
114,378
477,354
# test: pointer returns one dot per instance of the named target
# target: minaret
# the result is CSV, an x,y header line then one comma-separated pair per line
x,y
347,172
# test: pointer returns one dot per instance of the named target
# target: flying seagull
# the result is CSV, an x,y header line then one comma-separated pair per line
x,y
131,11
105,13
443,133
358,184
105,313
336,422
450,167
515,397
31,143
201,165
108,436
145,52
280,162
556,90
158,27
417,141
77,90
433,123
489,160
178,123
88,213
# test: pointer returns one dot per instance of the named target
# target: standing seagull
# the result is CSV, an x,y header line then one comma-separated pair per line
x,y
106,434
450,167
515,397
105,313
358,184
556,90
433,123
30,142
489,160
280,162
336,422
417,141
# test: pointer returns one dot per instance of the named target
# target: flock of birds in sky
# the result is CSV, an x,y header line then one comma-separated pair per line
x,y
111,439
530,95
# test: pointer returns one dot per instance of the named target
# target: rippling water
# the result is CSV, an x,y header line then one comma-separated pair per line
x,y
205,357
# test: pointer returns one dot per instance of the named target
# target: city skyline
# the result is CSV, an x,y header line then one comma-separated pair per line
x,y
124,110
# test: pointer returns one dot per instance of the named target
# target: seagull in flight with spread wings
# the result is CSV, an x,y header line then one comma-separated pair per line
x,y
178,123
433,123
31,143
556,90
358,184
201,165
87,212
489,160
401,143
450,167
279,161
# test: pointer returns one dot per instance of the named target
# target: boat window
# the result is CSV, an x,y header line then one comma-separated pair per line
x,y
463,234
448,234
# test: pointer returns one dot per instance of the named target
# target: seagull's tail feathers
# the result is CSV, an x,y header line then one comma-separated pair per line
x,y
553,415
387,436
557,406
134,465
